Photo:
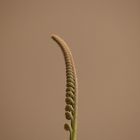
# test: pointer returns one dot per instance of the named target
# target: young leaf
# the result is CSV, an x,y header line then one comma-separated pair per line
x,y
71,88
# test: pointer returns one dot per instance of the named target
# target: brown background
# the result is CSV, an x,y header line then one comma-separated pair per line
x,y
104,36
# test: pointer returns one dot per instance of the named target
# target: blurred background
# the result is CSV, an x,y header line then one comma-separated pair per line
x,y
104,37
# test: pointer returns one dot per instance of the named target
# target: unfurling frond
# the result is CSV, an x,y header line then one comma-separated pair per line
x,y
71,88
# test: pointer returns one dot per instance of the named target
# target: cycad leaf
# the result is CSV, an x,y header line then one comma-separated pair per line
x,y
71,88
